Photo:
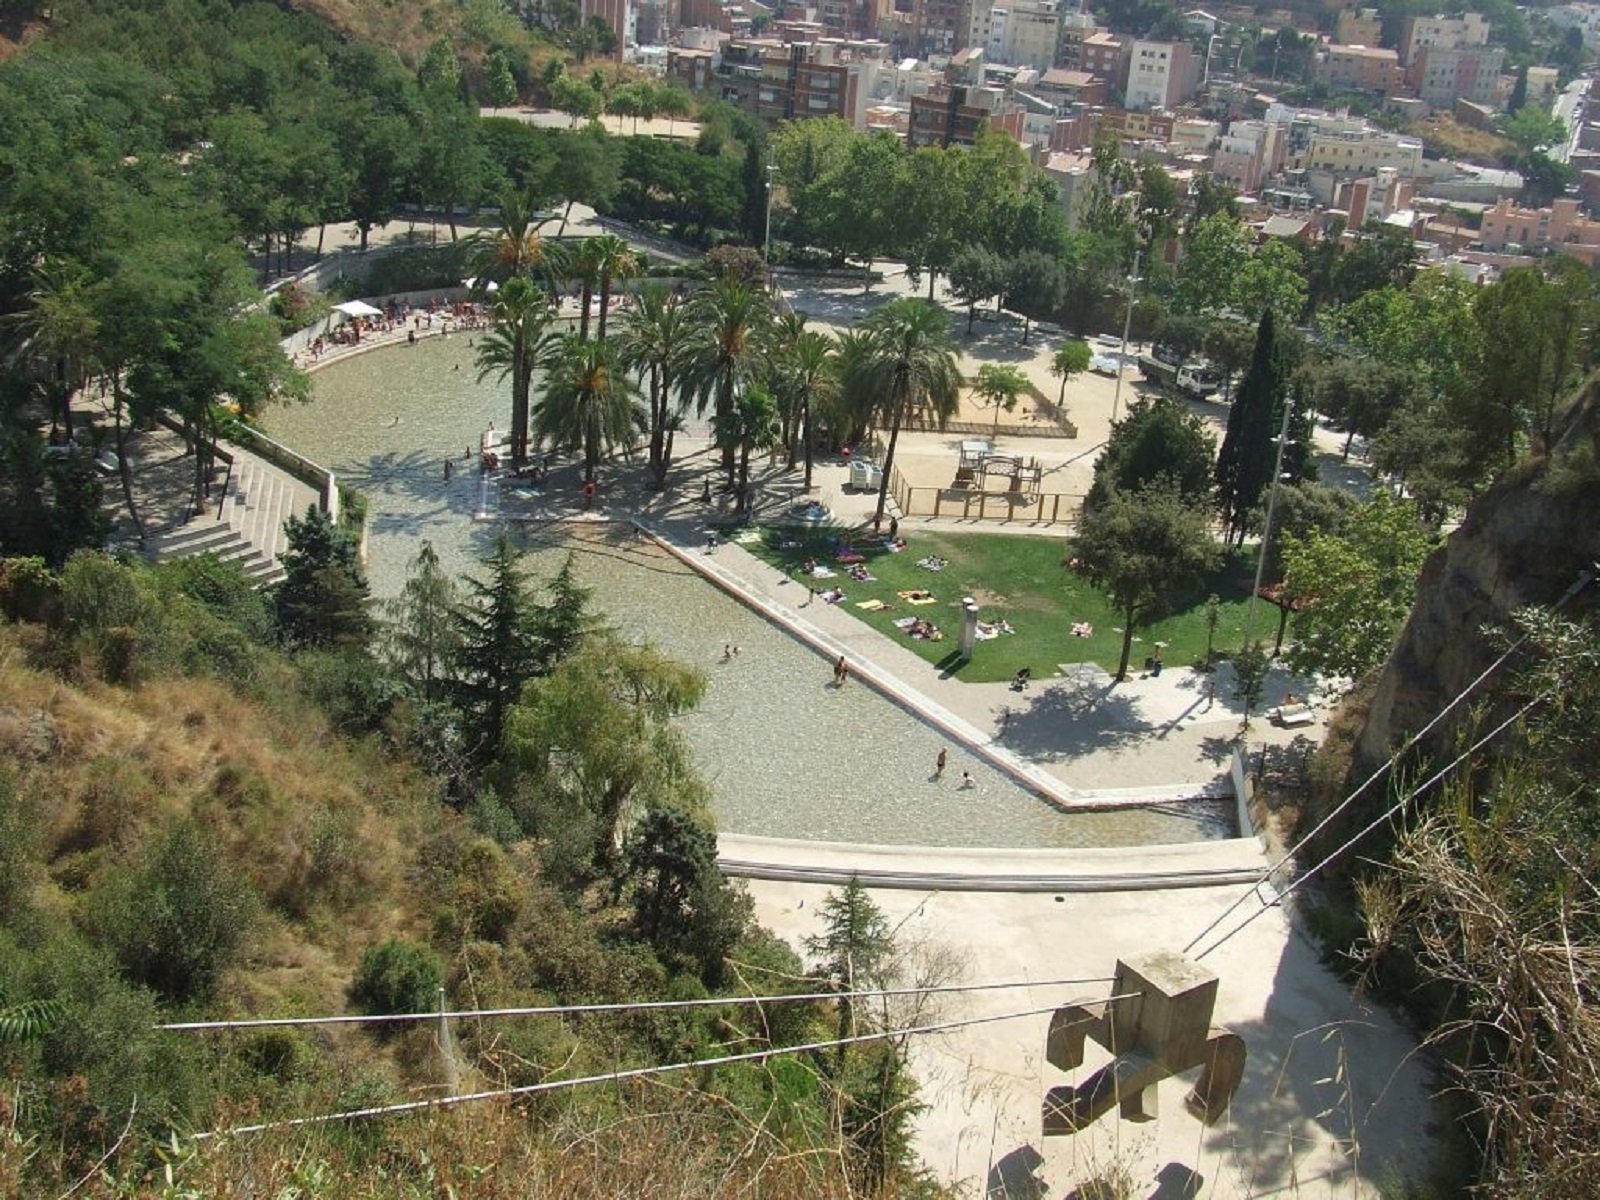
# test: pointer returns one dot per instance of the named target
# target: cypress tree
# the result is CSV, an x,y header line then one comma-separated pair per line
x,y
1244,464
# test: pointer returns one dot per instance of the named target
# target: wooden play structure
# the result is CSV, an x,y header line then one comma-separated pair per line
x,y
980,469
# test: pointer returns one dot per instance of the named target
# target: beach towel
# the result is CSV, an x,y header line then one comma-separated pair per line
x,y
916,597
872,605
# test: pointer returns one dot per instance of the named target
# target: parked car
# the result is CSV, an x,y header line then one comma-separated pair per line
x,y
1103,364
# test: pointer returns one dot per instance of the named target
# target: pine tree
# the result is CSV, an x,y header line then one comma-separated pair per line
x,y
423,634
560,623
1244,464
854,947
499,646
322,601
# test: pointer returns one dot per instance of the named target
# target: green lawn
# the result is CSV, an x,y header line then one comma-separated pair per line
x,y
1020,580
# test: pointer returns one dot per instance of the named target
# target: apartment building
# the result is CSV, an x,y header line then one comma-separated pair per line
x,y
952,115
1072,175
1065,88
1445,33
1578,16
1374,198
1161,75
1442,75
848,18
695,69
1250,153
1359,27
778,82
1561,228
620,15
1361,69
1033,32
1107,55
1342,151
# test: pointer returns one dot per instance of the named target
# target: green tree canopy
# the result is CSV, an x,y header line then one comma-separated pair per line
x,y
1144,550
1353,587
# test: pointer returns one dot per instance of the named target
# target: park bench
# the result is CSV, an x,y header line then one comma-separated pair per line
x,y
1289,715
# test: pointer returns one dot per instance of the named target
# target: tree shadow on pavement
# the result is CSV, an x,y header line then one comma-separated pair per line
x,y
1071,718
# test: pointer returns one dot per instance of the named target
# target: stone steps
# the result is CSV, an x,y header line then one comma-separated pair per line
x,y
249,533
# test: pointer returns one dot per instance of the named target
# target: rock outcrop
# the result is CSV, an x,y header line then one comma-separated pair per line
x,y
1523,542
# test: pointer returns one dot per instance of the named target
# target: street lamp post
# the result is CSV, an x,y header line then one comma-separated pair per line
x,y
1127,326
1266,528
766,247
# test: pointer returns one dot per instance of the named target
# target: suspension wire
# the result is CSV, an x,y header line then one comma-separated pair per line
x,y
554,1085
556,1010
1305,876
1583,581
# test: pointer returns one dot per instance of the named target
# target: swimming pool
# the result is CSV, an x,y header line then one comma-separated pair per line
x,y
784,753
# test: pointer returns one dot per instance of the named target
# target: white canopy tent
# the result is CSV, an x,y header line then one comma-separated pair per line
x,y
489,285
357,308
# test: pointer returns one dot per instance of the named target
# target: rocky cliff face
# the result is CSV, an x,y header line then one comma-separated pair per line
x,y
1523,542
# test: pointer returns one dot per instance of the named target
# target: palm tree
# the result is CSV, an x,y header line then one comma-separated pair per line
x,y
515,247
808,377
613,259
589,402
905,361
583,262
57,337
728,319
516,340
750,424
654,335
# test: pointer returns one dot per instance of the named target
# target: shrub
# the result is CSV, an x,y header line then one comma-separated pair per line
x,y
397,976
180,916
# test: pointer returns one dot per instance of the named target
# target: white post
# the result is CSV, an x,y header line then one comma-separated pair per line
x,y
1266,528
1127,326
766,244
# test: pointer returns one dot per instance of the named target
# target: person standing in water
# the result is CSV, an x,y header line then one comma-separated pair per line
x,y
938,763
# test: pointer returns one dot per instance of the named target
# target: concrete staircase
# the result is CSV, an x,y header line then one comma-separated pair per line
x,y
249,531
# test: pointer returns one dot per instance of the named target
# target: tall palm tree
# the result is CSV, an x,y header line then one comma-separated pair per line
x,y
518,323
906,361
750,424
589,402
56,337
582,262
728,320
515,247
808,378
654,335
614,260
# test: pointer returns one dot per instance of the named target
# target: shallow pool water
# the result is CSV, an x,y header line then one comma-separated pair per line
x,y
785,753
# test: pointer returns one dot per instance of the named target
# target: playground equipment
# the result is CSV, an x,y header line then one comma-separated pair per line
x,y
979,468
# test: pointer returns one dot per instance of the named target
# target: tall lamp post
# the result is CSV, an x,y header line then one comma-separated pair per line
x,y
1127,326
1266,528
766,246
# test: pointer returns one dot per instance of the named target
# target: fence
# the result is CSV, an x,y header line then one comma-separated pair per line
x,y
988,429
963,504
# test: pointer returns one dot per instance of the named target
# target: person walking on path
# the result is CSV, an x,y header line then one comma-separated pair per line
x,y
1210,693
938,763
